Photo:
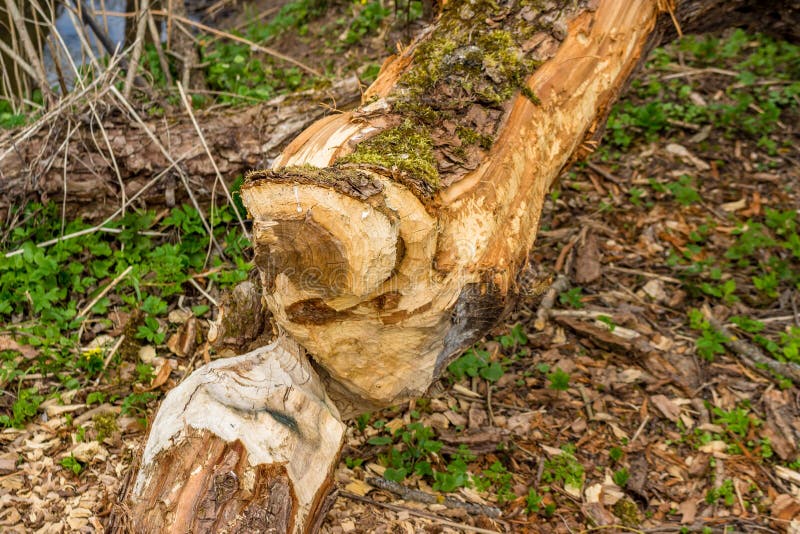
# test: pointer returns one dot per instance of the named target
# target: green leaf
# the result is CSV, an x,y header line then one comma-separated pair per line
x,y
395,475
492,372
621,477
559,380
380,440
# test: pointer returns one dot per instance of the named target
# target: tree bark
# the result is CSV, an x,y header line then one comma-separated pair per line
x,y
389,238
240,139
385,274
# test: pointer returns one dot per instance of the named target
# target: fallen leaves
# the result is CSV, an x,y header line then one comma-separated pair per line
x,y
9,343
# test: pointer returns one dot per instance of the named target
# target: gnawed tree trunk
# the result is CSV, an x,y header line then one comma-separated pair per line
x,y
389,238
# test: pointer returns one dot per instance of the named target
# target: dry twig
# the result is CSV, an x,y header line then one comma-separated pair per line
x,y
410,494
418,513
753,357
561,284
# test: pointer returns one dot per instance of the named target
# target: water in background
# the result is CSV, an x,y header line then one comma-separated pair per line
x,y
66,27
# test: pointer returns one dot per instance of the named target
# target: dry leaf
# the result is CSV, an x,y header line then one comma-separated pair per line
x,y
162,375
592,493
667,407
598,514
716,447
9,343
683,153
785,507
735,205
147,354
183,342
655,290
520,424
587,264
89,451
688,510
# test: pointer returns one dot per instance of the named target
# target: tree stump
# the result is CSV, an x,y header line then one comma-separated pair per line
x,y
245,444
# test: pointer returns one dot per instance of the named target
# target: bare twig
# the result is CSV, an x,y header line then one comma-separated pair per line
x,y
162,59
639,430
253,46
418,513
410,494
646,274
169,158
64,198
220,180
111,354
64,103
561,284
76,15
86,309
30,50
752,356
203,292
138,45
88,18
100,227
10,52
225,35
604,173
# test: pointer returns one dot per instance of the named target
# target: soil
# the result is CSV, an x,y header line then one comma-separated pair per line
x,y
639,387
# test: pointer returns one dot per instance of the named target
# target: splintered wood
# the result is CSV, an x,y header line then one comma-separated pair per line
x,y
383,275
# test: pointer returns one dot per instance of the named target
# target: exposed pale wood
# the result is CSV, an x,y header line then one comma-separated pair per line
x,y
462,249
385,334
245,444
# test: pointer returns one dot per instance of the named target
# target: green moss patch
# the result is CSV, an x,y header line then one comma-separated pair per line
x,y
488,69
406,148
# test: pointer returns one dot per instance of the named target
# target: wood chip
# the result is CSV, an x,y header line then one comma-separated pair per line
x,y
670,409
359,487
8,464
785,507
55,410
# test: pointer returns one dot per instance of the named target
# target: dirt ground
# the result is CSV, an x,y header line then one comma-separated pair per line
x,y
707,445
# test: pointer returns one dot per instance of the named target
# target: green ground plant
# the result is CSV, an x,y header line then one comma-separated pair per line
x,y
747,108
44,290
564,468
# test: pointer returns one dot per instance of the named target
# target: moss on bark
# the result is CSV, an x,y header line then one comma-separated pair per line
x,y
451,101
406,148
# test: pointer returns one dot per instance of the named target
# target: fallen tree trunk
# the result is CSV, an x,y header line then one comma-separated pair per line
x,y
389,238
110,157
